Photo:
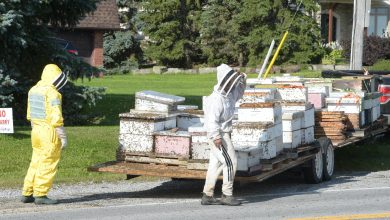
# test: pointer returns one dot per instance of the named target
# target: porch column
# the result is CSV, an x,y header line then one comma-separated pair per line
x,y
330,24
97,53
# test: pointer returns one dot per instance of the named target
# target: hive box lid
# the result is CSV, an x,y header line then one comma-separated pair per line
x,y
173,133
291,115
159,97
252,125
197,128
187,107
146,116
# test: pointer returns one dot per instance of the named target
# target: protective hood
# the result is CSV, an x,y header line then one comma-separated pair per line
x,y
227,79
52,74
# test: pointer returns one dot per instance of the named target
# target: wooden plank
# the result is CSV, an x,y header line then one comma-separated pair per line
x,y
157,160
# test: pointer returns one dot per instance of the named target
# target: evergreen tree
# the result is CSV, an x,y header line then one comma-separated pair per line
x,y
122,51
172,27
261,21
218,40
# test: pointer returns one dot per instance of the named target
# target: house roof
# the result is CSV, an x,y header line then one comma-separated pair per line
x,y
105,17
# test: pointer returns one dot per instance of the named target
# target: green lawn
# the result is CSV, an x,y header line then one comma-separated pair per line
x,y
89,145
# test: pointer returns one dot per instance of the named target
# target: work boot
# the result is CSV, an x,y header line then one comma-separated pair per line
x,y
27,199
43,200
229,200
209,200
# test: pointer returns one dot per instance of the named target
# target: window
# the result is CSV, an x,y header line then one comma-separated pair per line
x,y
378,21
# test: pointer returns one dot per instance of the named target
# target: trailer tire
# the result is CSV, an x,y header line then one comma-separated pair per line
x,y
313,172
328,157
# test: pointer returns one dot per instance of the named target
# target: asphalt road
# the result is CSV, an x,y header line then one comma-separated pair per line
x,y
351,196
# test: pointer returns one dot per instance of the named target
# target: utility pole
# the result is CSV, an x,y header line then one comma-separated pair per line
x,y
361,10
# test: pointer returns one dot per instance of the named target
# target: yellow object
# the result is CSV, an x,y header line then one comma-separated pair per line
x,y
276,54
45,113
385,215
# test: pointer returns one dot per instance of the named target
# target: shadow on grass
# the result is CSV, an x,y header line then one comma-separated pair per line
x,y
108,109
283,185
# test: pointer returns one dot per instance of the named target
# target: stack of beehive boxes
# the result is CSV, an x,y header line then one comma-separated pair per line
x,y
298,128
360,108
143,131
259,126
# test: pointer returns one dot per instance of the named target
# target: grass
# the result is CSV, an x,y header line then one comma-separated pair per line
x,y
89,145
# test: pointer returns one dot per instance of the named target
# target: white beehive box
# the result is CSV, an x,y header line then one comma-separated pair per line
x,y
200,149
296,106
347,105
308,118
292,139
186,120
145,123
268,149
254,132
156,102
292,120
136,143
260,112
279,144
292,93
307,135
187,107
323,90
256,95
247,157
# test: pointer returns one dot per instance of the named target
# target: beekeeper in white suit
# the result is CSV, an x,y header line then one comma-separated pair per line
x,y
219,113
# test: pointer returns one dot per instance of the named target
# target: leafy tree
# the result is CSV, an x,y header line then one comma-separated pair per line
x,y
258,22
172,26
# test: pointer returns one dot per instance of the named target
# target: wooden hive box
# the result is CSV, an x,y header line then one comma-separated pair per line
x,y
200,148
152,101
247,158
136,131
172,144
250,134
260,112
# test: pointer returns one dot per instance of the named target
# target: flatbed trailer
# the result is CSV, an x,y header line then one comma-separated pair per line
x,y
316,161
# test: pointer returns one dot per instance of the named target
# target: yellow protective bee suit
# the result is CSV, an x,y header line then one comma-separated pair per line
x,y
45,113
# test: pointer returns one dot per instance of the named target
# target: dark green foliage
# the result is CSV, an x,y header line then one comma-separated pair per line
x,y
219,42
269,19
232,31
77,100
27,45
122,51
172,26
7,88
375,48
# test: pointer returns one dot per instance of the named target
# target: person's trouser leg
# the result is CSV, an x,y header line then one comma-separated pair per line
x,y
221,159
30,176
48,157
231,165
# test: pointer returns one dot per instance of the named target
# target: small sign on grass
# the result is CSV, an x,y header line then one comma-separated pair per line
x,y
6,121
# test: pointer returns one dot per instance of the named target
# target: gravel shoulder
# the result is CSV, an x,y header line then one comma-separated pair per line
x,y
135,192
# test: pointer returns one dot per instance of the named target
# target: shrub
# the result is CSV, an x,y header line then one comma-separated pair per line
x,y
77,100
374,49
381,65
7,88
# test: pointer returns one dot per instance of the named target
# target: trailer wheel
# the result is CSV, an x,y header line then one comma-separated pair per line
x,y
328,156
313,172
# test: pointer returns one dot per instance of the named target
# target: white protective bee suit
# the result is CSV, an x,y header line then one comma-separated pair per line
x,y
219,112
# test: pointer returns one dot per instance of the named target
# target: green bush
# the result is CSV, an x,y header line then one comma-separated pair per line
x,y
381,65
77,100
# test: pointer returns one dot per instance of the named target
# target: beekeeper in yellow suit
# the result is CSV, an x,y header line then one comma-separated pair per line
x,y
48,136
